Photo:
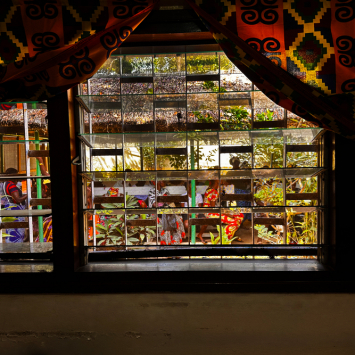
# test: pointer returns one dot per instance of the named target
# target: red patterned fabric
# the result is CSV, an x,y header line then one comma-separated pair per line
x,y
299,53
53,45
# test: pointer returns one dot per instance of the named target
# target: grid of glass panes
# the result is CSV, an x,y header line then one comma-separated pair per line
x,y
177,122
25,223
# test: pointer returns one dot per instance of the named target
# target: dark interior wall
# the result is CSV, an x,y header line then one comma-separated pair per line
x,y
218,324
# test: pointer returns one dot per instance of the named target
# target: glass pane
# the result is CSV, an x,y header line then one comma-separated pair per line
x,y
137,66
105,86
268,192
106,121
170,113
137,88
202,86
235,82
294,121
235,111
202,108
138,110
203,63
302,227
21,234
227,67
110,69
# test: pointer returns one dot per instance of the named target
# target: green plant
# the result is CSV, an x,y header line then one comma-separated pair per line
x,y
111,228
203,118
178,162
302,227
210,86
235,118
268,236
269,193
268,153
225,239
200,64
265,116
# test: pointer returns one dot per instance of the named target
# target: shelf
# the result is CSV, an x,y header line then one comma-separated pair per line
x,y
202,211
223,138
107,103
204,175
25,213
44,141
271,173
5,177
26,247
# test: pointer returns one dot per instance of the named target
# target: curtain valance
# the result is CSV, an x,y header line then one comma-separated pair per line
x,y
300,53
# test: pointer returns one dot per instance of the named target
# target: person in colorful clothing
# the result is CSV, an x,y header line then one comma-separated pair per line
x,y
171,230
13,199
233,221
241,186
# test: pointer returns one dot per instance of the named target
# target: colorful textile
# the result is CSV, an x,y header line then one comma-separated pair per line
x,y
233,221
49,46
243,203
173,236
299,53
15,235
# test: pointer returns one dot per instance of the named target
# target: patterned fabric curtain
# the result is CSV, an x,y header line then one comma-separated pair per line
x,y
300,53
49,46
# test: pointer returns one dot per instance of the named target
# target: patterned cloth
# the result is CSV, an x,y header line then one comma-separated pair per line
x,y
233,221
48,47
314,41
243,203
174,235
16,235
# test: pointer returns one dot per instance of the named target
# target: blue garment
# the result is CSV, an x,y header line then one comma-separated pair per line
x,y
243,203
17,235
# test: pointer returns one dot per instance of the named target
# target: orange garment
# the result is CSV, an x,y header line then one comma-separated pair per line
x,y
233,221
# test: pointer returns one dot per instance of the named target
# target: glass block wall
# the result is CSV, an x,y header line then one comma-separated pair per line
x,y
183,150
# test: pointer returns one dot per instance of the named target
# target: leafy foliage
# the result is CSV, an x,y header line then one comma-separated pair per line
x,y
225,239
235,118
265,116
111,227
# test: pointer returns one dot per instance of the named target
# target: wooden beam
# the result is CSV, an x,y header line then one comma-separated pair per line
x,y
38,153
41,202
169,37
8,225
104,199
172,198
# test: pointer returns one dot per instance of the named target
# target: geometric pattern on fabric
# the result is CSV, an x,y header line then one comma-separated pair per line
x,y
49,46
309,65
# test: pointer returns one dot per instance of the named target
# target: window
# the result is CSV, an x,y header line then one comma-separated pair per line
x,y
182,156
25,184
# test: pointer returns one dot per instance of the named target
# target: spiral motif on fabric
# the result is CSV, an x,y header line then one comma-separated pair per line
x,y
298,110
275,60
267,44
126,9
45,41
25,61
345,10
346,46
125,31
44,9
255,11
274,96
348,85
112,40
77,65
